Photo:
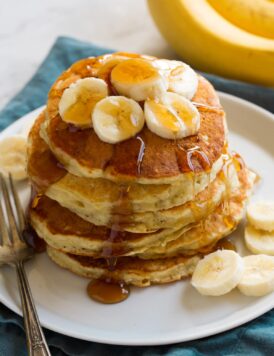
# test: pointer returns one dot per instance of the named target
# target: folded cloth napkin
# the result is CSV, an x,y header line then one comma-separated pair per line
x,y
254,338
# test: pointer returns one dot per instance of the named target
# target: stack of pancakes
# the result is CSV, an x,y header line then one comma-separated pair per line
x,y
142,211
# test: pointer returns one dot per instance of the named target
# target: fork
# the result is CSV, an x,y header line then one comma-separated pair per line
x,y
14,252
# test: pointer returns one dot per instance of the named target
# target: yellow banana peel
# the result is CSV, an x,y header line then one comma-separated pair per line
x,y
206,39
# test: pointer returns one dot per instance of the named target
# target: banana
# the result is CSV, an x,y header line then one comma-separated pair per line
x,y
13,156
261,215
78,100
138,79
207,41
218,273
259,241
181,78
171,116
107,62
258,275
256,16
117,118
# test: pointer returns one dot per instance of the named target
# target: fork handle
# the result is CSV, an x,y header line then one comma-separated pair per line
x,y
36,342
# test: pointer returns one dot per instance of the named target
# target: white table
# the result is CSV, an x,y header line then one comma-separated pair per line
x,y
28,28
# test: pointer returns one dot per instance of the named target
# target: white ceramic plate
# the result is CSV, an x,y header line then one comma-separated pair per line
x,y
159,314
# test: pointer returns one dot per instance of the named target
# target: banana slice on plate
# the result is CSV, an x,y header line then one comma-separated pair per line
x,y
78,100
138,79
182,79
261,215
117,118
13,156
258,275
259,241
218,273
172,116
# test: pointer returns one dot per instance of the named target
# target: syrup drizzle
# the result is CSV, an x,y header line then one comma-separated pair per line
x,y
196,151
140,154
225,244
29,234
108,291
207,107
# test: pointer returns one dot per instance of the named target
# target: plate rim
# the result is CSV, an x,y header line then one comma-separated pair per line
x,y
209,329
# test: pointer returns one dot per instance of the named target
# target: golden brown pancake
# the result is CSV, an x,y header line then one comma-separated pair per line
x,y
72,234
98,199
84,154
168,263
130,270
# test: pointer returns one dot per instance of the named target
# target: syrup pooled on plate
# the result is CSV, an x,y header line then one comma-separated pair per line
x,y
107,292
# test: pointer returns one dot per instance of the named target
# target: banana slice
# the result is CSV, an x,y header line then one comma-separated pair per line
x,y
106,64
78,100
117,118
259,241
258,276
13,156
182,79
172,116
261,215
138,79
218,273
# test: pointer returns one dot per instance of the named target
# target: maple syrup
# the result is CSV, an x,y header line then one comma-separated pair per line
x,y
225,244
205,107
164,115
44,169
133,71
195,152
29,234
33,240
141,154
108,292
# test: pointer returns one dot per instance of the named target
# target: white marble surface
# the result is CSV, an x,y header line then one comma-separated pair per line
x,y
28,28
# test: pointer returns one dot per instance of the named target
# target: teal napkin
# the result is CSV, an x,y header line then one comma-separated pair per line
x,y
254,338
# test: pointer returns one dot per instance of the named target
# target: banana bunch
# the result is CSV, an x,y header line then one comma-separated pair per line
x,y
233,38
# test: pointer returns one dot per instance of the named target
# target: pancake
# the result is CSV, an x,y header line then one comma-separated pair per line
x,y
143,211
96,199
170,264
65,230
164,161
72,234
94,202
222,222
130,270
